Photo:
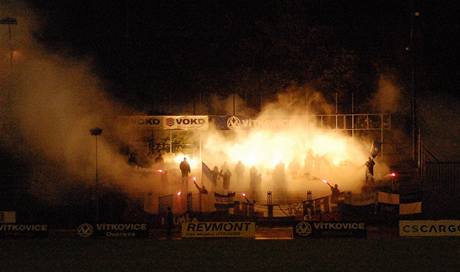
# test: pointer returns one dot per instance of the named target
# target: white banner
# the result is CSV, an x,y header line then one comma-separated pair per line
x,y
388,198
416,228
180,122
410,208
199,122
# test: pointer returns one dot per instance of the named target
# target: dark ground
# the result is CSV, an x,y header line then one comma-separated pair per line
x,y
427,254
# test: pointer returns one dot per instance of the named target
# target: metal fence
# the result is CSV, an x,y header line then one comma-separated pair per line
x,y
441,188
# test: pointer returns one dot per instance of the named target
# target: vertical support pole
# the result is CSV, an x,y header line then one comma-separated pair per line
x,y
234,105
170,142
269,204
336,109
352,125
381,135
97,187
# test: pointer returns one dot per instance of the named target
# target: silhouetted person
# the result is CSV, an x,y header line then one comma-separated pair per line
x,y
254,181
239,172
279,181
169,221
370,171
335,193
202,189
215,175
227,175
185,169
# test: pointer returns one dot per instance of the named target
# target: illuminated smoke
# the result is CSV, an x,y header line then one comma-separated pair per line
x,y
293,139
57,101
387,98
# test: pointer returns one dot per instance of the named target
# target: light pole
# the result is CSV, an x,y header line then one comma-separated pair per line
x,y
9,22
96,132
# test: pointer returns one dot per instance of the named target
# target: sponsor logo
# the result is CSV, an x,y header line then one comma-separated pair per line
x,y
170,122
303,229
339,226
23,231
112,230
218,229
85,230
429,228
193,121
233,122
121,227
23,228
149,122
330,229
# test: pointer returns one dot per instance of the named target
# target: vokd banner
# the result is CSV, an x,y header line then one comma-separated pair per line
x,y
199,122
313,229
416,228
218,229
154,122
180,122
131,230
23,231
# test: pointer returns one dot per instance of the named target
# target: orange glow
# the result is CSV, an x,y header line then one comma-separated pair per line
x,y
243,194
178,193
194,163
299,151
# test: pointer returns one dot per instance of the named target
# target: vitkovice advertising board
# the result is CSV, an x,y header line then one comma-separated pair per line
x,y
131,230
218,229
23,231
420,228
318,229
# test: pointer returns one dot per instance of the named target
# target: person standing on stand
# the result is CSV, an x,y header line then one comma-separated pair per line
x,y
239,174
185,170
227,175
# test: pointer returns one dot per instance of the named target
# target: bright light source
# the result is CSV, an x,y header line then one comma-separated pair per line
x,y
192,162
194,178
325,181
393,174
178,193
160,171
243,194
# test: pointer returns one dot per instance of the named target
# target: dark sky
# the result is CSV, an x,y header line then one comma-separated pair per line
x,y
149,50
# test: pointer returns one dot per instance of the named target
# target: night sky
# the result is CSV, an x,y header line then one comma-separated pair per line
x,y
149,50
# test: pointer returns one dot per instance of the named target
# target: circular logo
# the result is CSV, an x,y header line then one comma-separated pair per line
x,y
233,122
303,229
170,121
85,230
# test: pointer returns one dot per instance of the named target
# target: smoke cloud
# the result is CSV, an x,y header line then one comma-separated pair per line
x,y
387,98
53,101
50,103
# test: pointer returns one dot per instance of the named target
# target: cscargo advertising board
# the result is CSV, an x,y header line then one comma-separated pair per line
x,y
421,228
